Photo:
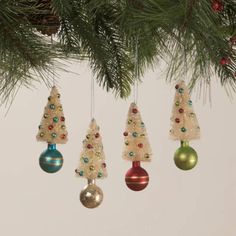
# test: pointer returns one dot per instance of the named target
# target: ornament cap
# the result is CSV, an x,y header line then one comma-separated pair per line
x,y
184,143
136,163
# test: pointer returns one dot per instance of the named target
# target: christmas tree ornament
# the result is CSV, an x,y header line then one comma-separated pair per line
x,y
53,131
136,149
92,164
91,196
217,6
185,127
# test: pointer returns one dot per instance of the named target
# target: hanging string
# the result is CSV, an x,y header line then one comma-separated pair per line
x,y
92,99
136,73
53,66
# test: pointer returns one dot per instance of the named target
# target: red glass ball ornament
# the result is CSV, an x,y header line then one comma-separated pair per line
x,y
177,120
136,178
50,127
181,110
89,146
135,110
217,6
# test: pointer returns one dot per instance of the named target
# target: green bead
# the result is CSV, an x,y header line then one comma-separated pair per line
x,y
131,154
135,134
52,106
190,103
183,129
177,103
181,90
99,174
55,119
51,160
86,160
142,124
45,116
185,157
81,173
54,135
126,143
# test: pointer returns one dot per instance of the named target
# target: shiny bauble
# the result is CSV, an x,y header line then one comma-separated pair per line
x,y
91,196
185,157
51,160
136,178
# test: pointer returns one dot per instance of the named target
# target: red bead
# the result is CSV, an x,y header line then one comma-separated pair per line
x,y
136,178
225,61
97,135
50,127
63,136
104,165
181,110
89,146
233,40
177,120
176,86
135,111
62,118
140,145
217,6
125,134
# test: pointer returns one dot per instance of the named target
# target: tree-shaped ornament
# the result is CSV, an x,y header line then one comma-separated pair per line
x,y
53,131
184,128
92,166
136,149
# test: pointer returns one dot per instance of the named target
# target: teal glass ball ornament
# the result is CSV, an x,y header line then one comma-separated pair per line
x,y
51,160
185,157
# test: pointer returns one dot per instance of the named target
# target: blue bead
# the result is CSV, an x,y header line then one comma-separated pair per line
x,y
135,134
181,90
51,160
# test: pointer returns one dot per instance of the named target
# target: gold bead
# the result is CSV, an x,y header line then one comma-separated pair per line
x,y
92,168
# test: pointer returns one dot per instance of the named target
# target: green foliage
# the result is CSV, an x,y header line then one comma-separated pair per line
x,y
114,35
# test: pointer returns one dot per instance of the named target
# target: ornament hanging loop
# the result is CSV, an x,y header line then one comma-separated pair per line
x,y
92,105
136,70
53,65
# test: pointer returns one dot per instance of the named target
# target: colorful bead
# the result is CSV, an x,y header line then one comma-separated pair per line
x,y
177,120
55,119
60,108
130,121
176,86
99,174
183,129
142,124
49,98
81,173
127,143
41,134
45,116
131,154
54,135
104,165
177,103
92,168
125,133
88,136
62,118
63,136
135,134
98,154
140,145
190,103
192,114
58,95
40,126
52,106
181,90
135,110
97,135
181,110
50,127
63,126
89,146
142,135
86,160
146,155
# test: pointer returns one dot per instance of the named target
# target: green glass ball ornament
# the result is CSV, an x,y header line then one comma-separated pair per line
x,y
185,157
51,160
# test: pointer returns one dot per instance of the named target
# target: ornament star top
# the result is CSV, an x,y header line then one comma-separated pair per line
x,y
52,128
136,143
184,121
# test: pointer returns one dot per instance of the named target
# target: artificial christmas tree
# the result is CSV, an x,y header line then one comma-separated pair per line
x,y
92,166
185,127
53,131
136,149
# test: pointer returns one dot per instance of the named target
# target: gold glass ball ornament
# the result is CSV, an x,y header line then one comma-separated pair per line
x,y
91,196
185,157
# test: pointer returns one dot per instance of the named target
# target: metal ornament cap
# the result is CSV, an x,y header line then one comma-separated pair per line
x,y
51,160
185,157
91,196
